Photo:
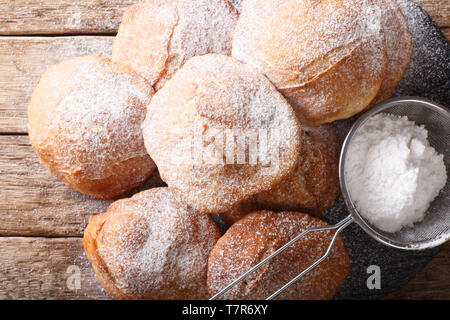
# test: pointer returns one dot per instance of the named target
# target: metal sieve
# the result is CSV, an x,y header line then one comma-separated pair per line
x,y
432,231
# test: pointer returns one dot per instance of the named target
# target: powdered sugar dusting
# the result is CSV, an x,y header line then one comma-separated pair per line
x,y
217,92
327,57
157,36
156,247
398,45
293,39
314,184
85,118
261,233
311,188
426,76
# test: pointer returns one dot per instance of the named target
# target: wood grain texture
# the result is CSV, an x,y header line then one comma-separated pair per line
x,y
439,10
24,59
34,203
22,62
61,16
45,268
433,282
24,17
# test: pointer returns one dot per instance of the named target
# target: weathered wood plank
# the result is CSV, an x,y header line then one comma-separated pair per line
x,y
46,268
100,17
22,62
49,268
61,16
24,59
439,10
34,203
433,282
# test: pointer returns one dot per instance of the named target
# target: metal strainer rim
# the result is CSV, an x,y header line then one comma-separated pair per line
x,y
370,230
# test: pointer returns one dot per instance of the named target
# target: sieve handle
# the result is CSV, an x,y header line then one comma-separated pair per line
x,y
338,226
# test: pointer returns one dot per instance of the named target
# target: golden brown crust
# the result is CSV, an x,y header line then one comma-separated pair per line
x,y
84,124
340,92
209,98
311,188
90,247
237,212
326,57
314,185
156,37
151,246
259,234
398,43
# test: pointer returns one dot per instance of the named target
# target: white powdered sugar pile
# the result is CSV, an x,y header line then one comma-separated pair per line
x,y
392,172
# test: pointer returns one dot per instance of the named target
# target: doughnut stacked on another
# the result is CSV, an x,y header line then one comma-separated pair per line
x,y
225,134
259,234
311,188
398,46
208,100
156,37
314,184
84,122
151,246
329,58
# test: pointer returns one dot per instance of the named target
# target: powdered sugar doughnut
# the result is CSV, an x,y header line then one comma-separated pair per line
x,y
238,211
156,37
398,43
199,126
259,234
84,123
314,185
151,246
311,188
326,57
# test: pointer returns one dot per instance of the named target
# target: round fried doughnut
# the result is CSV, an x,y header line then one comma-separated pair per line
x,y
212,103
311,188
84,123
156,37
398,43
259,234
314,185
238,212
326,57
151,246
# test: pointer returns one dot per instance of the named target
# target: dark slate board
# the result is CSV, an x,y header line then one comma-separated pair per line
x,y
428,76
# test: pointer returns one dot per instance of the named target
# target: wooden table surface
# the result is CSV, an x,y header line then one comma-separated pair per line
x,y
41,220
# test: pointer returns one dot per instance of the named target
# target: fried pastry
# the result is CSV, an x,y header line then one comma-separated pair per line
x,y
220,132
156,37
398,44
311,188
256,236
327,57
84,122
151,246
